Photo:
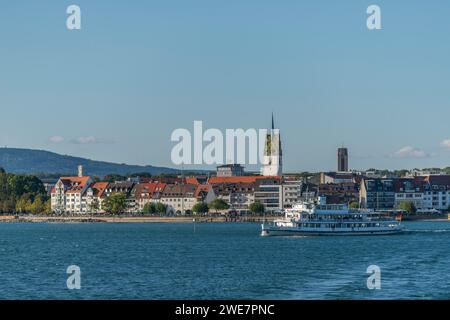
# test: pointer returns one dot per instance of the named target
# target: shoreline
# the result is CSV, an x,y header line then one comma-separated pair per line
x,y
156,219
422,217
129,219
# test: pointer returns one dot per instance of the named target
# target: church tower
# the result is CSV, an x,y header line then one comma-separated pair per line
x,y
273,156
342,159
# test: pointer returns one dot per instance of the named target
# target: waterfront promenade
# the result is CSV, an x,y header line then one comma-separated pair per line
x,y
169,219
130,219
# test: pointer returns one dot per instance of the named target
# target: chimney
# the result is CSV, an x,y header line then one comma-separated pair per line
x,y
80,171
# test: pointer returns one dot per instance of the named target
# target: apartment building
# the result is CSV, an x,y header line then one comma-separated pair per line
x,y
181,198
411,190
144,193
431,192
238,195
240,192
292,191
95,194
269,192
341,193
69,194
377,193
436,192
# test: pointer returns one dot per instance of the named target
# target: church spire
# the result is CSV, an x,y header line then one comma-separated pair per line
x,y
272,165
273,123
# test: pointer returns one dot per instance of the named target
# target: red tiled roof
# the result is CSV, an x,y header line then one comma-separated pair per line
x,y
174,190
99,188
146,190
80,180
442,180
74,184
201,188
192,180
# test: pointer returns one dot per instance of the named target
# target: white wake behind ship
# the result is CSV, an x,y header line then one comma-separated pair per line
x,y
310,219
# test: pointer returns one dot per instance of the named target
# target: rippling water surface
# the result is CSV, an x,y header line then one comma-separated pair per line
x,y
219,261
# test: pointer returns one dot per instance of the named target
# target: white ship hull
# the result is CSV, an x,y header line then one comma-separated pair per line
x,y
287,231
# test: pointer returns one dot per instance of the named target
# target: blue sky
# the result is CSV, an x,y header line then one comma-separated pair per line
x,y
137,70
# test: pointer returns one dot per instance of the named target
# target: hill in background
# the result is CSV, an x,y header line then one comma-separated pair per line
x,y
28,161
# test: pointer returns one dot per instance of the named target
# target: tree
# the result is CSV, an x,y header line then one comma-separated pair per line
x,y
408,206
20,184
17,192
400,173
140,175
149,208
94,206
257,207
115,203
7,206
218,204
114,177
161,208
37,206
48,206
23,204
354,205
200,208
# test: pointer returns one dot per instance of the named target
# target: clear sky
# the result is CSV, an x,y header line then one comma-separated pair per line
x,y
116,89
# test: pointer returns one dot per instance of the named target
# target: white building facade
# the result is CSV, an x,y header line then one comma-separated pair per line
x,y
70,195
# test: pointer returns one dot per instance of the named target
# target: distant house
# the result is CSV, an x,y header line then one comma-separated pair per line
x,y
124,187
239,195
180,198
204,193
96,192
241,191
147,193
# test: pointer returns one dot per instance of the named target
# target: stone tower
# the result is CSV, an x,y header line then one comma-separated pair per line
x,y
273,156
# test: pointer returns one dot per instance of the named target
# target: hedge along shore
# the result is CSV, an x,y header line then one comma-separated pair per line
x,y
125,219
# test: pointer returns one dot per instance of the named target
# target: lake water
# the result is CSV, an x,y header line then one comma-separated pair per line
x,y
219,261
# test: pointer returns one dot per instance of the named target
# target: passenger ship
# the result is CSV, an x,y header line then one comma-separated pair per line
x,y
310,219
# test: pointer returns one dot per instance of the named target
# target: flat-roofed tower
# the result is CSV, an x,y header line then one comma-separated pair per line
x,y
342,160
